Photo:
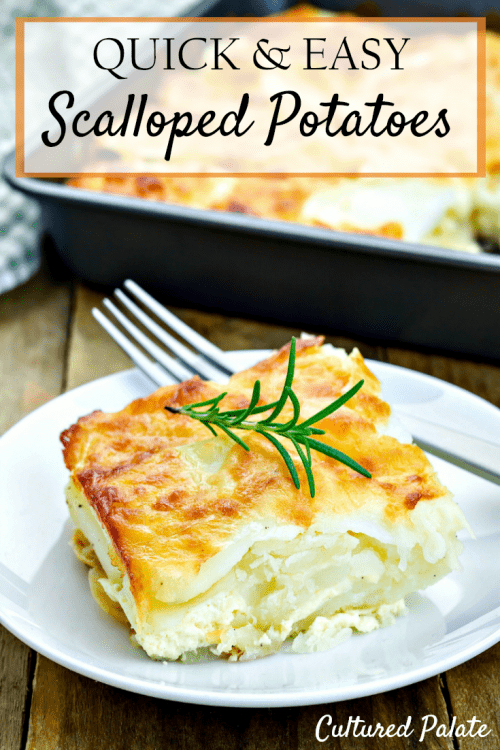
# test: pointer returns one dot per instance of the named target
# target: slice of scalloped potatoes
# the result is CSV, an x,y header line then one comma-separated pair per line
x,y
202,544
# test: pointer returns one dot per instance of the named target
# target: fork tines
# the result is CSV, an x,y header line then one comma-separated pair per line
x,y
207,360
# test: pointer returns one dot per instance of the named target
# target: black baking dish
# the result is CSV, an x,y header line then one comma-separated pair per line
x,y
356,284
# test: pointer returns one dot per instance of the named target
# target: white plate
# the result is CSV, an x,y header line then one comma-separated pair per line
x,y
45,598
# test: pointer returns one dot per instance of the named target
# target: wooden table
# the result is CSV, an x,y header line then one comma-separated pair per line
x,y
50,343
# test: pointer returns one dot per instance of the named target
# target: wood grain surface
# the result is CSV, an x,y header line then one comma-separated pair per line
x,y
50,342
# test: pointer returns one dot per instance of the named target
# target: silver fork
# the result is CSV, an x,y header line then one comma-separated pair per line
x,y
209,362
478,456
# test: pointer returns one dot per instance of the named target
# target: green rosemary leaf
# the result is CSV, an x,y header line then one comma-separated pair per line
x,y
342,457
233,435
266,407
210,416
288,383
210,428
257,410
251,406
333,407
215,401
286,457
296,411
291,363
308,449
306,462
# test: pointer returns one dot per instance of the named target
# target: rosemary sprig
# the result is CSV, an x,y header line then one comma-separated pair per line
x,y
300,434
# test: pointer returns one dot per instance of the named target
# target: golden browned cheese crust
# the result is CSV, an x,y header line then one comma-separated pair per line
x,y
165,520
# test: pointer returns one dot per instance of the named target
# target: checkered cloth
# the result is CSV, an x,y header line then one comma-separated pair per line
x,y
19,217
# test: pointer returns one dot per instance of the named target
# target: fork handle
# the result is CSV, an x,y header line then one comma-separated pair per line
x,y
479,456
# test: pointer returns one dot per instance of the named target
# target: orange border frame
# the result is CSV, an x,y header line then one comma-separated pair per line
x,y
481,93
